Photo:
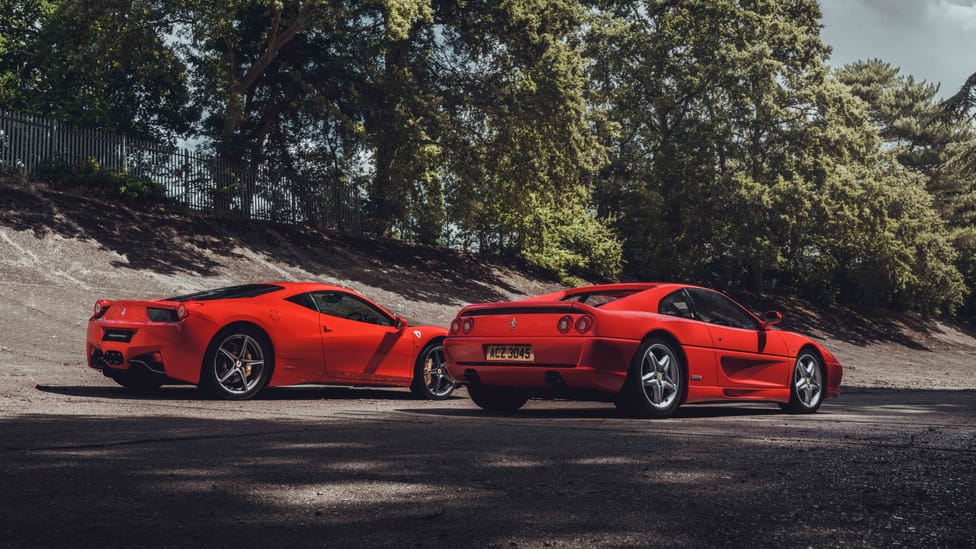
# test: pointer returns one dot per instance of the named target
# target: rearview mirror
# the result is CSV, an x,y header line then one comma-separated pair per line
x,y
770,318
402,323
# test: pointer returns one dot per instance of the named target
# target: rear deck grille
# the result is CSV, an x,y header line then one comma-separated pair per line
x,y
122,336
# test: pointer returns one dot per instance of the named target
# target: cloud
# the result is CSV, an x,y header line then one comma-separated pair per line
x,y
930,40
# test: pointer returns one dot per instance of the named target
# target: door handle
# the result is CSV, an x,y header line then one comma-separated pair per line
x,y
326,329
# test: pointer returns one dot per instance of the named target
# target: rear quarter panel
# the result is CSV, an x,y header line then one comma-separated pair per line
x,y
692,336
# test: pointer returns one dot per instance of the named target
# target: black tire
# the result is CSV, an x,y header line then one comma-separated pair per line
x,y
807,385
431,381
655,385
497,399
237,364
137,381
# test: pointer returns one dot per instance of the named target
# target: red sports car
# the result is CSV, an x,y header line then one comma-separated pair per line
x,y
650,347
234,341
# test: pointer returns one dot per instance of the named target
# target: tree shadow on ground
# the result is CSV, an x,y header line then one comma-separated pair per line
x,y
170,239
859,326
418,480
173,240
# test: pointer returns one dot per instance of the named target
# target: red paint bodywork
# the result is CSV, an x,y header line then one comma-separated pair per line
x,y
723,363
309,347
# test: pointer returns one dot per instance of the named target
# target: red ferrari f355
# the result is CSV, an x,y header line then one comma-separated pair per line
x,y
649,347
235,341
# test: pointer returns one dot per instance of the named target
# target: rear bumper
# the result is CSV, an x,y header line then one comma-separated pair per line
x,y
167,349
835,374
593,363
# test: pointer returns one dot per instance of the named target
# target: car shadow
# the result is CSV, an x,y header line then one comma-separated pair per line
x,y
190,392
690,411
121,393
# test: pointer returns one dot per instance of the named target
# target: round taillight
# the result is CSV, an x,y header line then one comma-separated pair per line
x,y
181,312
467,325
583,324
101,307
564,324
455,326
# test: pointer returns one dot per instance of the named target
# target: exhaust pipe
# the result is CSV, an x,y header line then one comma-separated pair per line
x,y
554,379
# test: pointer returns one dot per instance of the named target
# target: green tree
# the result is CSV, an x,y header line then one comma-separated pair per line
x,y
961,109
738,161
19,28
105,64
522,147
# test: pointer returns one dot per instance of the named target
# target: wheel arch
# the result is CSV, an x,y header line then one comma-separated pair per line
x,y
429,336
247,324
814,349
679,348
418,350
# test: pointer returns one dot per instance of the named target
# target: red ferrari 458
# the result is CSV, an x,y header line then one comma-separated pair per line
x,y
649,347
235,341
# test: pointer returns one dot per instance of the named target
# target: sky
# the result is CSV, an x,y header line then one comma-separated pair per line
x,y
932,40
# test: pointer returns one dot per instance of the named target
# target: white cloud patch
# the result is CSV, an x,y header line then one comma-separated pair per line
x,y
932,40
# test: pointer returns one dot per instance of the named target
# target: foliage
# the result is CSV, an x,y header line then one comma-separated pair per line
x,y
908,118
102,63
696,140
91,178
21,23
960,109
738,161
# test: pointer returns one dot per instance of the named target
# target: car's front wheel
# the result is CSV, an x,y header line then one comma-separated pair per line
x,y
497,399
431,380
655,381
807,386
237,363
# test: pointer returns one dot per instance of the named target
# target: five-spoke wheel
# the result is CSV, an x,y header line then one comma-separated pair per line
x,y
430,377
237,363
807,387
655,382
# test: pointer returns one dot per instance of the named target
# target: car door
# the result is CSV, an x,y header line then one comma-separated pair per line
x,y
748,356
299,357
360,341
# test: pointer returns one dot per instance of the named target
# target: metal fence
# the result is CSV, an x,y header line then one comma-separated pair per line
x,y
199,181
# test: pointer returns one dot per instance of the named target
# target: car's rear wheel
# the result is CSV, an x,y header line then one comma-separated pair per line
x,y
237,363
807,386
497,399
430,377
655,381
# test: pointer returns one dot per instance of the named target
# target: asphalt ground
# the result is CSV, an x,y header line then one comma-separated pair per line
x,y
92,465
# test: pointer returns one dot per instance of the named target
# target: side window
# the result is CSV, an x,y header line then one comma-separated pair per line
x,y
342,305
676,304
715,308
305,300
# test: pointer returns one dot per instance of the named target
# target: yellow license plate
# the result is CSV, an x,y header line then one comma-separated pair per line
x,y
509,353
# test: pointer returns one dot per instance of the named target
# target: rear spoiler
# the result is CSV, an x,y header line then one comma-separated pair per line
x,y
526,308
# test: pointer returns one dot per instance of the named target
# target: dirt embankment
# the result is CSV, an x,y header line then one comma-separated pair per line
x,y
60,252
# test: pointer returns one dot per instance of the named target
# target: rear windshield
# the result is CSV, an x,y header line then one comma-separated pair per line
x,y
598,298
232,292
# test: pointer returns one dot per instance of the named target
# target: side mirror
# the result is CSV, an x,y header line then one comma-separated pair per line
x,y
771,318
401,323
